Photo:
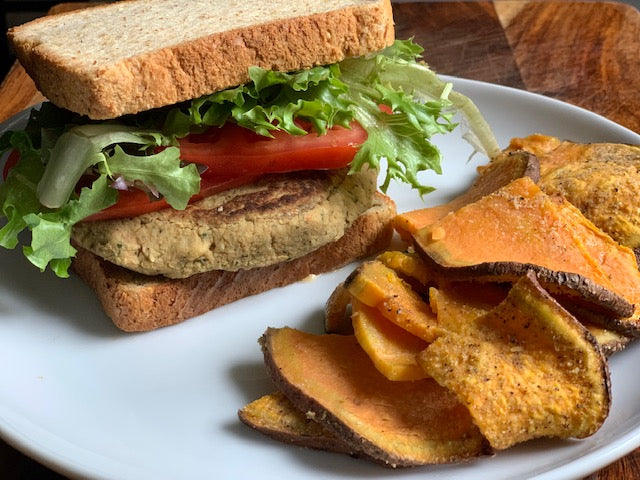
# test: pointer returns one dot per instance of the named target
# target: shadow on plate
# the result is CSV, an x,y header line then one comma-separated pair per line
x,y
34,296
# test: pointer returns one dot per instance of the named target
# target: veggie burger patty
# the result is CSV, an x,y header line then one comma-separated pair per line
x,y
277,218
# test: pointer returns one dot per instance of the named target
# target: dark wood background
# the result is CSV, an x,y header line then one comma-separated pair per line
x,y
584,53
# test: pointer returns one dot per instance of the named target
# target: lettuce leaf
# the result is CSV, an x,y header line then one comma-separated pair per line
x,y
422,105
51,231
85,146
50,228
161,171
18,193
271,101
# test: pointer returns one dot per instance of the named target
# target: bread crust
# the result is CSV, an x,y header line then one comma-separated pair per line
x,y
197,67
137,302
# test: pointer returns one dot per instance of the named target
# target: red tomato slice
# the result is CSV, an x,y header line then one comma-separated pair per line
x,y
234,150
136,202
12,159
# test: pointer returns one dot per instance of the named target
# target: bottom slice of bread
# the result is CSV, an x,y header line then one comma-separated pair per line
x,y
137,302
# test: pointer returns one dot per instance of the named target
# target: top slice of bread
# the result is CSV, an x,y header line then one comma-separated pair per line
x,y
131,56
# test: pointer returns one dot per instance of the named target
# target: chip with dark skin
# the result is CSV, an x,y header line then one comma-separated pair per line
x,y
517,228
396,424
526,369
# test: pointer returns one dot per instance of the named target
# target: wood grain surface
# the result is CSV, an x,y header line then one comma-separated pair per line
x,y
584,53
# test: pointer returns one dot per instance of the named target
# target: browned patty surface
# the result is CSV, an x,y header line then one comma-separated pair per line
x,y
277,218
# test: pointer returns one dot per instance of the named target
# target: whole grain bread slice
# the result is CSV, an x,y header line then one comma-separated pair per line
x,y
137,302
131,56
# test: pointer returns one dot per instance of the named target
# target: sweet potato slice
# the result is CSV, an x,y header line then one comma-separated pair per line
x,y
394,423
600,179
457,305
411,268
408,266
498,173
518,228
610,342
528,369
275,416
378,286
337,312
392,349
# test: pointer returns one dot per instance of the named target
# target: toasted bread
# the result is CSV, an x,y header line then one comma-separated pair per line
x,y
93,61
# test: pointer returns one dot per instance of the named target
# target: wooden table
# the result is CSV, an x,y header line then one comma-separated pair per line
x,y
582,53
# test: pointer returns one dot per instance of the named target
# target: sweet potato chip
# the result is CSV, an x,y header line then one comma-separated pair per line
x,y
392,349
518,228
378,286
394,423
411,268
528,369
458,304
601,179
275,416
337,312
610,342
498,173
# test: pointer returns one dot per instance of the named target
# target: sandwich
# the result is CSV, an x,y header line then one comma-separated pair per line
x,y
192,154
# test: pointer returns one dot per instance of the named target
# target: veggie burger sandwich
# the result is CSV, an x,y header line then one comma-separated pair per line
x,y
194,153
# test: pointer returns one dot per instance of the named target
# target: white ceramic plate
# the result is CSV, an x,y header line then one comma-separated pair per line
x,y
90,401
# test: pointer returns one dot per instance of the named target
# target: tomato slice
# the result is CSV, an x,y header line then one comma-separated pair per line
x,y
12,159
135,202
234,150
